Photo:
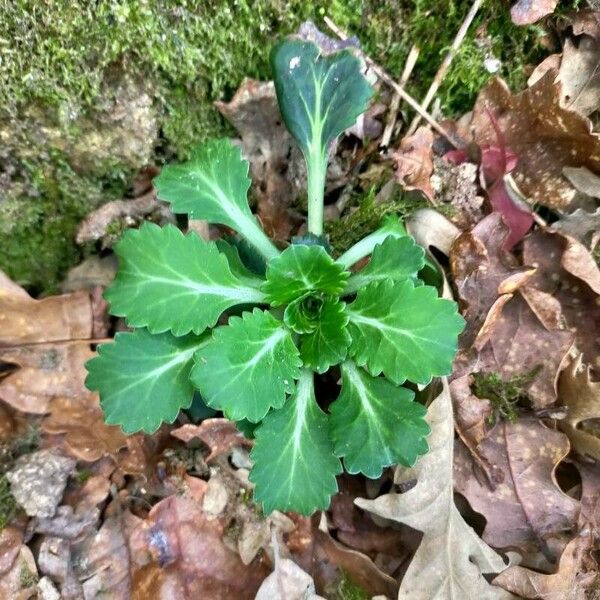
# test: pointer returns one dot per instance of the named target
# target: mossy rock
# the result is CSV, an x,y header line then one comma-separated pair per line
x,y
90,92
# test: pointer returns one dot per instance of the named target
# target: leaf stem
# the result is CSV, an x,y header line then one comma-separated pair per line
x,y
317,169
257,237
365,246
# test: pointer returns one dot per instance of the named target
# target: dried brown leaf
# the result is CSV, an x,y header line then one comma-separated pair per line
x,y
413,162
220,435
544,136
527,509
575,575
581,396
451,557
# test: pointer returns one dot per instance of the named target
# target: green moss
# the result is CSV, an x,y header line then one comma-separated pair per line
x,y
65,152
504,394
8,505
366,217
345,589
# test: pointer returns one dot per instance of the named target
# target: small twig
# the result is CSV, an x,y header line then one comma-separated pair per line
x,y
441,73
386,78
411,61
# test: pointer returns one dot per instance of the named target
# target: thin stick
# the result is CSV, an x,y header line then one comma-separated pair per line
x,y
441,73
411,61
399,89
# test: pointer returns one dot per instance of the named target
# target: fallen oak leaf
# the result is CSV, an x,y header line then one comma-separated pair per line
x,y
575,575
527,509
544,136
581,396
451,557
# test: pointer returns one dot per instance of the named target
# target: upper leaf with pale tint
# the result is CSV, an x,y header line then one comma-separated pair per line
x,y
300,270
143,379
294,466
248,367
451,559
404,332
171,282
319,95
375,424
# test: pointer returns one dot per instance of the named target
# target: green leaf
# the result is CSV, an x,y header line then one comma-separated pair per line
x,y
248,367
213,185
303,315
319,96
395,258
168,281
404,332
300,270
328,344
237,267
375,424
294,466
143,379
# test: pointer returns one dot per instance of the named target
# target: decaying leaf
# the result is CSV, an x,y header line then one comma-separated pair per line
x,y
451,558
18,571
414,162
581,396
581,225
544,136
575,575
566,270
180,553
526,509
38,480
525,12
220,435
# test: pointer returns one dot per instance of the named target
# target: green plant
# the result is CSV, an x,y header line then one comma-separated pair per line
x,y
301,315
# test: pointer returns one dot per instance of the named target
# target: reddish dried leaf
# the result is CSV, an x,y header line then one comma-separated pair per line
x,y
575,575
528,508
220,435
414,162
179,553
543,135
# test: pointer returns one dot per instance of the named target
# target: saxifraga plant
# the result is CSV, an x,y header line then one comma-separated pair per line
x,y
307,313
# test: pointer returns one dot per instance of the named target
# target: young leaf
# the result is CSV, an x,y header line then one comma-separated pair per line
x,y
168,281
394,258
404,332
375,424
294,466
302,315
328,344
213,185
143,379
248,367
319,96
300,270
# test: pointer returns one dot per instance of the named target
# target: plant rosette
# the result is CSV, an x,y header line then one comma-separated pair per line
x,y
252,344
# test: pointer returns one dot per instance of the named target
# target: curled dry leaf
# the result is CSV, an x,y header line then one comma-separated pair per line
x,y
581,225
575,575
544,136
287,582
413,162
525,12
527,509
178,552
451,558
581,396
220,435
